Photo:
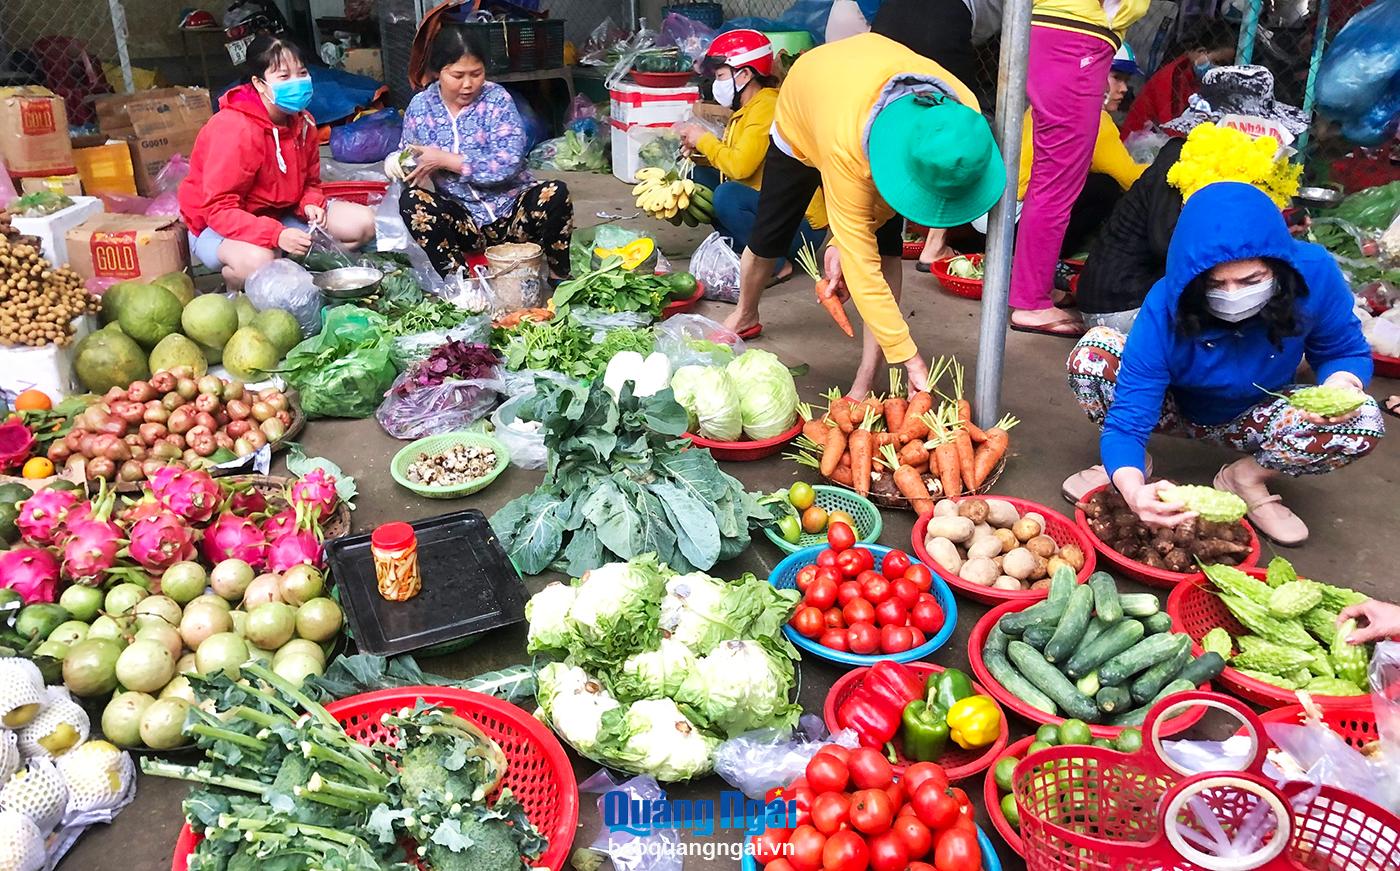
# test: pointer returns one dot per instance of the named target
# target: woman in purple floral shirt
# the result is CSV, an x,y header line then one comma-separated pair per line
x,y
470,143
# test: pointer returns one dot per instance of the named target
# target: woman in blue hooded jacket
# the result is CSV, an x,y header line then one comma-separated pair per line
x,y
1241,306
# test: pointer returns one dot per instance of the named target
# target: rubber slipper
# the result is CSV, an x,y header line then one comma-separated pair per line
x,y
752,332
921,266
781,279
1392,408
1066,300
1078,485
1054,328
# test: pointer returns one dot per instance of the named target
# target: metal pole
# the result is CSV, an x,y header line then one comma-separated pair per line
x,y
1001,224
119,32
1310,95
1248,28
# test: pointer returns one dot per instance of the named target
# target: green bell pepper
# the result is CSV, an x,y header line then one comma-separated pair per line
x,y
923,731
948,687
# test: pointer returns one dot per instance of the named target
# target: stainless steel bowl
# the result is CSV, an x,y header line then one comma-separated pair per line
x,y
350,282
1319,197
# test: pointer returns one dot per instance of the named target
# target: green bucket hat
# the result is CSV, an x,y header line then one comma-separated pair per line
x,y
934,160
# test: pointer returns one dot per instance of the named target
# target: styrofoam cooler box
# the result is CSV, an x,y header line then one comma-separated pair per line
x,y
51,229
634,104
627,142
48,368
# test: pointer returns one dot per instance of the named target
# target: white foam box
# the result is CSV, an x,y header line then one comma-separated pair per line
x,y
634,104
51,229
48,368
627,142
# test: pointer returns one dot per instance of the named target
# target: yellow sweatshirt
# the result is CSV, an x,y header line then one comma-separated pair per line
x,y
1111,157
739,157
824,113
1106,19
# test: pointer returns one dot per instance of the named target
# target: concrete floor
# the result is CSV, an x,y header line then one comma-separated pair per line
x,y
1349,512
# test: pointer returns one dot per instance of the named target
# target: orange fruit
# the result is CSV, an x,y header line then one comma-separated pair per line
x,y
33,400
37,467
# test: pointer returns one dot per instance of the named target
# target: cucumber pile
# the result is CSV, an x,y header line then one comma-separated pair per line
x,y
1091,653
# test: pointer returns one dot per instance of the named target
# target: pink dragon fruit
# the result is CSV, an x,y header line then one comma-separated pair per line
x,y
32,572
189,493
146,506
160,541
246,502
298,547
41,516
280,524
91,541
234,537
316,489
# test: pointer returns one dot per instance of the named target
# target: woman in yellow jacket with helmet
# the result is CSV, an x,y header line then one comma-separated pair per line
x,y
740,63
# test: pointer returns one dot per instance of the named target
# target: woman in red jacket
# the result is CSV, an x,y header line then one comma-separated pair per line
x,y
255,174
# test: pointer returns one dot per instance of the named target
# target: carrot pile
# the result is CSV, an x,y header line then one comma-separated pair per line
x,y
826,294
922,447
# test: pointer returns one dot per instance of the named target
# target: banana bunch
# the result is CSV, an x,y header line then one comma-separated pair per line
x,y
671,197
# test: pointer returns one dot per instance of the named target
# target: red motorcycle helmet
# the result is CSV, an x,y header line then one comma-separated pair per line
x,y
741,48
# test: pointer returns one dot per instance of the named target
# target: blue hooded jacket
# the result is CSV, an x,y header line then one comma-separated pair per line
x,y
1212,375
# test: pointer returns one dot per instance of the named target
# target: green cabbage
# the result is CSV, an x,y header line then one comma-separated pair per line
x,y
711,400
741,686
548,612
700,611
767,393
655,737
655,673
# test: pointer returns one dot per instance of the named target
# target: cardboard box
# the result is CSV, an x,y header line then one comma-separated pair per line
x,y
365,62
106,168
128,247
157,125
34,133
72,185
52,230
712,112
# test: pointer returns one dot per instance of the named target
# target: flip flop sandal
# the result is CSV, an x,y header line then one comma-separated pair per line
x,y
1392,409
1076,328
921,266
781,279
1268,528
752,332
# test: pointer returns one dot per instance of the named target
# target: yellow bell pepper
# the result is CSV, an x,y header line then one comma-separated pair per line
x,y
975,722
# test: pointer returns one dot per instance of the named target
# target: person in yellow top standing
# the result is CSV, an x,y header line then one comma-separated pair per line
x,y
883,132
741,65
1072,46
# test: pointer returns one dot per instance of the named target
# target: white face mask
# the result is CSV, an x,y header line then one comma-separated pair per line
x,y
1237,305
725,92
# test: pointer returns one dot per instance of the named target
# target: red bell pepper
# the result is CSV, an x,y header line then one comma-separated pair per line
x,y
875,708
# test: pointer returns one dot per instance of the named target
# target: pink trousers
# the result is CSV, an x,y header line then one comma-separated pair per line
x,y
1065,84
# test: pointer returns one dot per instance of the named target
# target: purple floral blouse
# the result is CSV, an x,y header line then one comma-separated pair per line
x,y
490,137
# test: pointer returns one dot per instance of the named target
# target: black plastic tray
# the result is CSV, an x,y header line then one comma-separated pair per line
x,y
469,587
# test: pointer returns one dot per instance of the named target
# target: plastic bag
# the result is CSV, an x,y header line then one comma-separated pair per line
x,y
471,292
601,41
658,851
715,265
167,202
767,759
285,284
368,139
1358,82
602,322
1143,145
586,239
628,50
523,438
417,346
390,232
7,187
572,152
343,371
706,124
687,34
688,339
416,412
582,116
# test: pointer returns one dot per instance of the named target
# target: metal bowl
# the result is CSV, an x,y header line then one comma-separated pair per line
x,y
350,282
1321,197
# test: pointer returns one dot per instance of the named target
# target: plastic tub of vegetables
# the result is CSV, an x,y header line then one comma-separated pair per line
x,y
744,410
960,275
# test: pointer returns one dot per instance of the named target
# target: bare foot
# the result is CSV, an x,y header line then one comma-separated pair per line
x,y
740,320
1392,405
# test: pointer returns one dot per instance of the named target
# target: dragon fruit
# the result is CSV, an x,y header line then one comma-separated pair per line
x,y
41,516
91,541
316,489
146,506
160,541
280,524
246,502
32,572
298,547
234,537
189,493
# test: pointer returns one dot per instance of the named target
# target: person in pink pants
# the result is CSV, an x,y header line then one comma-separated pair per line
x,y
1065,88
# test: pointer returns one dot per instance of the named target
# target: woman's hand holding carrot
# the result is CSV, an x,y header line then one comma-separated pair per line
x,y
831,291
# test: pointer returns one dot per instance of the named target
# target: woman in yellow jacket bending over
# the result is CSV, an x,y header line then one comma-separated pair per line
x,y
741,62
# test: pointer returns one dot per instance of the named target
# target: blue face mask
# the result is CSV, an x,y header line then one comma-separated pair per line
x,y
1203,68
292,95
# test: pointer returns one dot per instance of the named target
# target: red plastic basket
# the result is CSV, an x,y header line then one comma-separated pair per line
x,y
661,80
539,774
355,191
1355,723
743,452
912,250
1196,609
1386,367
957,763
968,288
681,306
1095,809
1147,574
1057,526
991,796
978,640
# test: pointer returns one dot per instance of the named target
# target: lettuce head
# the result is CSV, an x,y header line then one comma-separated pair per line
x,y
548,612
614,612
573,703
655,673
711,399
767,393
700,611
741,686
654,737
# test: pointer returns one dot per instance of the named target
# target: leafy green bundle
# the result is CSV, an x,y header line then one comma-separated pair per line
x,y
618,485
565,345
611,288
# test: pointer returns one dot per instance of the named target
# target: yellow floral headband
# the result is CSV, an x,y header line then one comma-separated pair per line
x,y
1213,154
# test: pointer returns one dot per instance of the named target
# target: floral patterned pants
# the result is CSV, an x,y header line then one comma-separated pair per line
x,y
1276,434
445,229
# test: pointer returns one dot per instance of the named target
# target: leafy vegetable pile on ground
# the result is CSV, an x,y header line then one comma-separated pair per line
x,y
1293,639
565,345
281,785
620,484
612,288
661,666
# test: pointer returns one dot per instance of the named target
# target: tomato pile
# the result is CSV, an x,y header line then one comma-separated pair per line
x,y
852,815
851,604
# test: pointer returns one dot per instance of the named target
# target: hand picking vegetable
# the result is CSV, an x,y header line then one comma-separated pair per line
x,y
1217,506
807,259
1175,549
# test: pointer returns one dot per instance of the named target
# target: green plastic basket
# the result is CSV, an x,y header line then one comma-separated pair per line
x,y
436,445
866,515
